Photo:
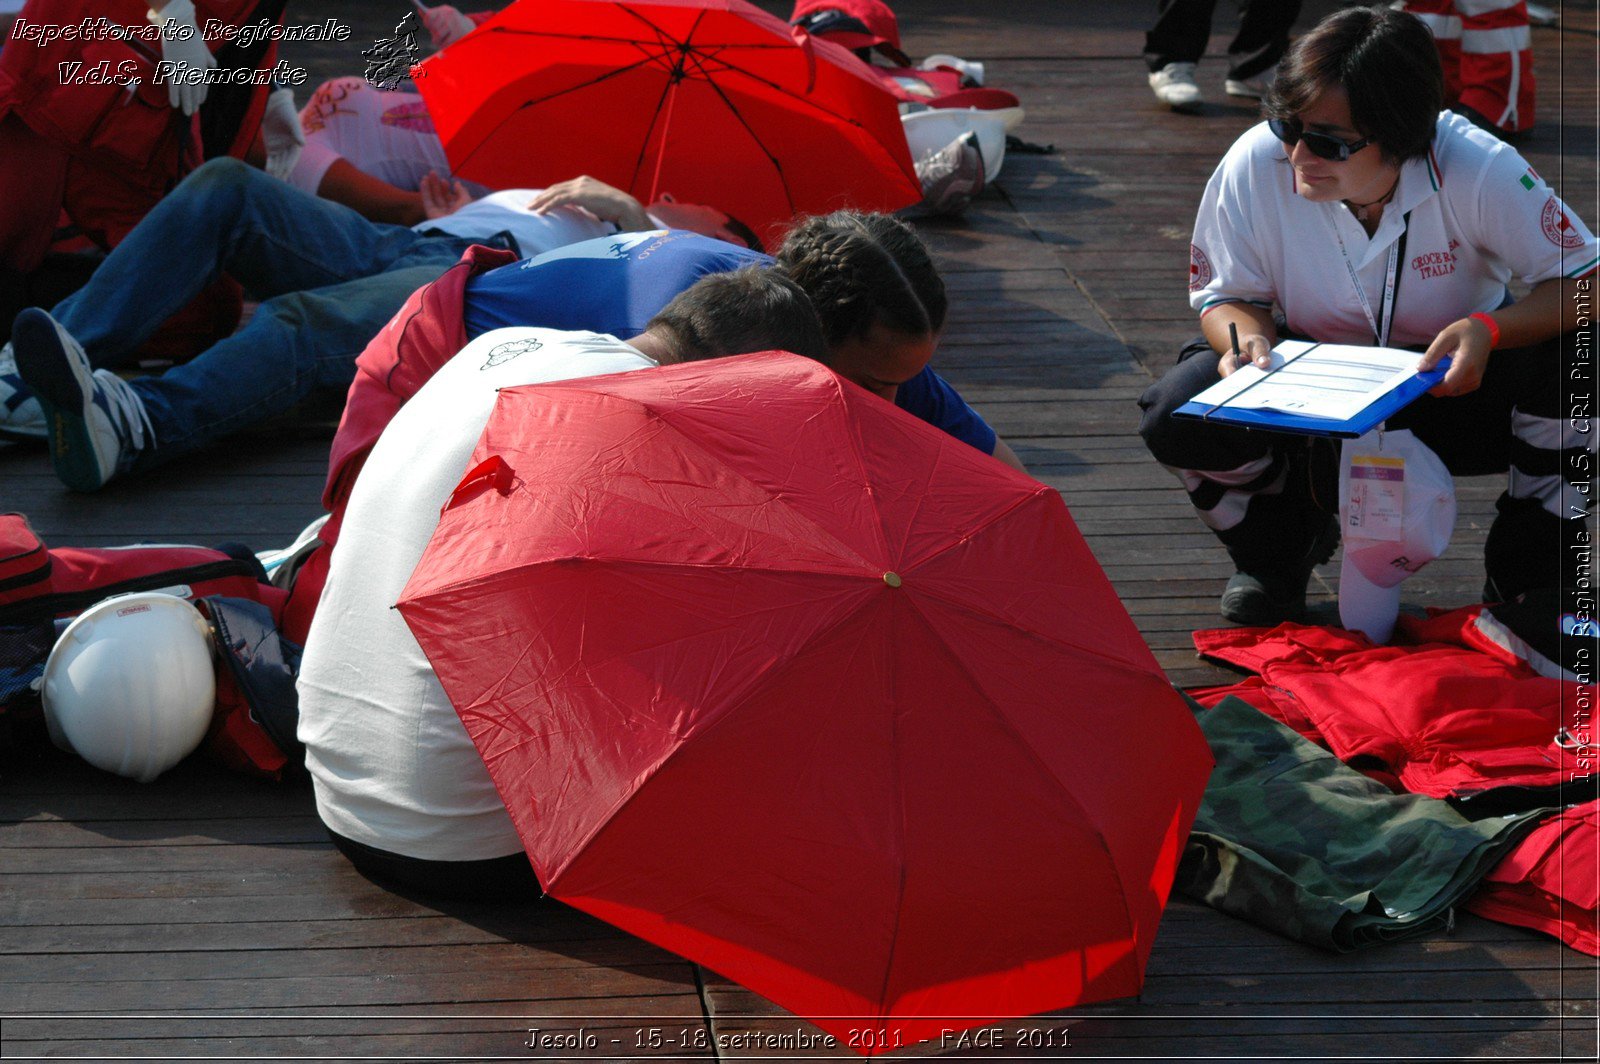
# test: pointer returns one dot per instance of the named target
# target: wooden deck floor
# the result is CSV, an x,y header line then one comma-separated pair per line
x,y
206,917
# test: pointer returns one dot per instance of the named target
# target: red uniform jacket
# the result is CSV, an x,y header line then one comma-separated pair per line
x,y
421,337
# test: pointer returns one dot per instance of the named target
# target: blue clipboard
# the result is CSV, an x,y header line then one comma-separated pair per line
x,y
1369,418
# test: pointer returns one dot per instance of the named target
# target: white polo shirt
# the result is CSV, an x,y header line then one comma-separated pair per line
x,y
1479,215
391,764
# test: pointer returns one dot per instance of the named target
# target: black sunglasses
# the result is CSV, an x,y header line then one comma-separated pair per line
x,y
1290,131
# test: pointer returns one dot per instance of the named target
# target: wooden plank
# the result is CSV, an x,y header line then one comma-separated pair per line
x,y
289,990
620,1028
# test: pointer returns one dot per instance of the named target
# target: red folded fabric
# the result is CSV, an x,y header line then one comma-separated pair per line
x,y
1551,881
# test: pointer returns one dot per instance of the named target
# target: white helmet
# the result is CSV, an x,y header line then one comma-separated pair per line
x,y
129,686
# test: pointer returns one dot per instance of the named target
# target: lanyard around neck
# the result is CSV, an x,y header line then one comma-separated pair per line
x,y
1391,285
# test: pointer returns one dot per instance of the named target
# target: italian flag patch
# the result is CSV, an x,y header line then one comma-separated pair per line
x,y
1529,180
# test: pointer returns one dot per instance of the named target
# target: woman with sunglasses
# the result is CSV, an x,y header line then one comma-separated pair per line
x,y
1361,214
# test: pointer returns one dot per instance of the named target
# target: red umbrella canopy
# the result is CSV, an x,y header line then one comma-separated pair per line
x,y
714,101
779,677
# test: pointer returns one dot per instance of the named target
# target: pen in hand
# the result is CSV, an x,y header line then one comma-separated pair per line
x,y
1233,335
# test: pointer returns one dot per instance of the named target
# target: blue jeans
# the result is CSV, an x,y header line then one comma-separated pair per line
x,y
328,279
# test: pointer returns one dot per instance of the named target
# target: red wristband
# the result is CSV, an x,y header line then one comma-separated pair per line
x,y
1490,324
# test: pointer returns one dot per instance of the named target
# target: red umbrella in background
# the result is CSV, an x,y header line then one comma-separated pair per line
x,y
779,677
714,101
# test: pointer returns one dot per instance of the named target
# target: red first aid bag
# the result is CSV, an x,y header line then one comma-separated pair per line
x,y
24,563
41,586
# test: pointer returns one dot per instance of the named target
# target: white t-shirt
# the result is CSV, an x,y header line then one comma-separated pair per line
x,y
1479,215
389,135
391,764
507,211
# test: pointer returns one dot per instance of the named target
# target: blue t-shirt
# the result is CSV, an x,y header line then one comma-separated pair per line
x,y
612,284
930,397
616,284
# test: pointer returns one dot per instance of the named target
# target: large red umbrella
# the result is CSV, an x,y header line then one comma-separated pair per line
x,y
779,677
714,101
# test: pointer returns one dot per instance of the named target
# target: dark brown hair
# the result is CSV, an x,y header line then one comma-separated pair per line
x,y
753,309
1385,62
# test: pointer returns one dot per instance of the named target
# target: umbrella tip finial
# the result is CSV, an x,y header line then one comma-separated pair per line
x,y
892,579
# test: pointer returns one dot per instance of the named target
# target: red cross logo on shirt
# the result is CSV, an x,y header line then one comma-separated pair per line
x,y
1199,268
1557,227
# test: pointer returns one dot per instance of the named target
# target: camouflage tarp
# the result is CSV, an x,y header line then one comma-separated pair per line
x,y
1291,838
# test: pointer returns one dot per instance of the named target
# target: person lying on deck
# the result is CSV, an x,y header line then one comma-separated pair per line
x,y
329,280
398,782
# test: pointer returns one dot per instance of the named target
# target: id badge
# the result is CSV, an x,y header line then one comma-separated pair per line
x,y
1377,503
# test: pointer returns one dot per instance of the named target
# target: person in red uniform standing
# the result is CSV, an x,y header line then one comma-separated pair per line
x,y
96,145
1486,49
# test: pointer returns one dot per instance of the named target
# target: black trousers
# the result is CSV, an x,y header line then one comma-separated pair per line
x,y
1266,494
1183,27
508,878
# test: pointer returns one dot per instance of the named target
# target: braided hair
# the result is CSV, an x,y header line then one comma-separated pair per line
x,y
862,270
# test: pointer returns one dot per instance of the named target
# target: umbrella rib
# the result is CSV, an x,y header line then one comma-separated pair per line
x,y
658,31
608,75
783,90
749,693
1022,741
1124,663
675,75
644,144
771,158
900,847
1132,668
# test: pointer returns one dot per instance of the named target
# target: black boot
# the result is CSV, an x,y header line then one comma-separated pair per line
x,y
1282,539
1270,589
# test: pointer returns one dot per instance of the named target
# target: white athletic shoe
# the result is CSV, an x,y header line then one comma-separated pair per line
x,y
1174,86
97,423
20,416
1541,14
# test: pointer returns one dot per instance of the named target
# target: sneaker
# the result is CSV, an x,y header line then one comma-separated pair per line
x,y
1174,86
1262,600
97,423
1541,14
20,416
951,176
1251,88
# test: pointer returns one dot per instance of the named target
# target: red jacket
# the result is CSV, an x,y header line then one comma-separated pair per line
x,y
137,134
1446,718
421,337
